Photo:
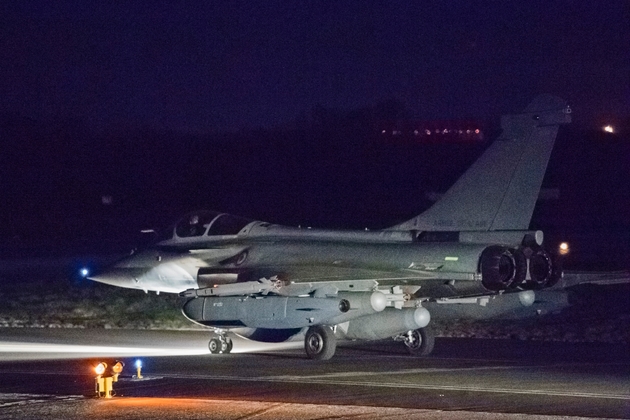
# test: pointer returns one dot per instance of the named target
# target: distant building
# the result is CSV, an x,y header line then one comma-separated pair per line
x,y
433,131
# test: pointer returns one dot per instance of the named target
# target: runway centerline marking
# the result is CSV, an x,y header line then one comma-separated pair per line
x,y
308,380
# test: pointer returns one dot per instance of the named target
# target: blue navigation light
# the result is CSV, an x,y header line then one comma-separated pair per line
x,y
84,272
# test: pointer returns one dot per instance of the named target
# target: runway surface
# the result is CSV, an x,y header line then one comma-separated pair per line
x,y
48,374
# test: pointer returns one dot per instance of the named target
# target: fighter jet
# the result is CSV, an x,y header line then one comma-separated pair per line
x,y
273,283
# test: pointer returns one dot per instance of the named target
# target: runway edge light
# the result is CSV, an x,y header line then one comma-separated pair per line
x,y
138,374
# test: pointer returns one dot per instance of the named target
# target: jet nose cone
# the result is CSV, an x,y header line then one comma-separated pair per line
x,y
120,277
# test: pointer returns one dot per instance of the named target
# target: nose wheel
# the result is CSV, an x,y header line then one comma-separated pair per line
x,y
419,342
220,345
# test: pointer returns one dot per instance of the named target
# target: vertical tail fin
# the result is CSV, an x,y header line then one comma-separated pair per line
x,y
499,191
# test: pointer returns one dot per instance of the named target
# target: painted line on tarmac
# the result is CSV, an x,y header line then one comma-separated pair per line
x,y
400,372
457,388
442,370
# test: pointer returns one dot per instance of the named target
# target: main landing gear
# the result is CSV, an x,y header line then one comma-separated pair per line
x,y
220,344
320,342
418,342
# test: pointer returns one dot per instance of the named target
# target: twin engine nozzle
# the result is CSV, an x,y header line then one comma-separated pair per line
x,y
528,268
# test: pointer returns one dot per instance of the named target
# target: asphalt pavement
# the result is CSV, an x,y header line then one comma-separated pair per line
x,y
47,373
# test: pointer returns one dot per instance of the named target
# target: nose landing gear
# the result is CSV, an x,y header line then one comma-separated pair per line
x,y
221,344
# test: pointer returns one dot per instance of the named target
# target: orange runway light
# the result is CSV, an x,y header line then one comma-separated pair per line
x,y
100,368
117,369
103,384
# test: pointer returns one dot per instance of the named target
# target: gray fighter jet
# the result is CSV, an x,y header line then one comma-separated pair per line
x,y
273,283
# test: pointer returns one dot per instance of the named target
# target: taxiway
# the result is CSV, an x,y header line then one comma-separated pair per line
x,y
50,375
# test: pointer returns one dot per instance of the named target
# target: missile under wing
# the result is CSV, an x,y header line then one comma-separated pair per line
x,y
273,282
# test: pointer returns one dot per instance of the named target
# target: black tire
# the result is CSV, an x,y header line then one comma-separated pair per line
x,y
229,346
214,345
422,342
320,342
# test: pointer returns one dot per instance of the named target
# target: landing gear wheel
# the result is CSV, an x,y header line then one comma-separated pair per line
x,y
214,345
419,342
220,345
320,342
227,346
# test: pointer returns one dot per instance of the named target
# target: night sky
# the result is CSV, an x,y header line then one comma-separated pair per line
x,y
201,66
158,105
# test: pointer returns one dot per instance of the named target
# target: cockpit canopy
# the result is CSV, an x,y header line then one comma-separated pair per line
x,y
207,223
